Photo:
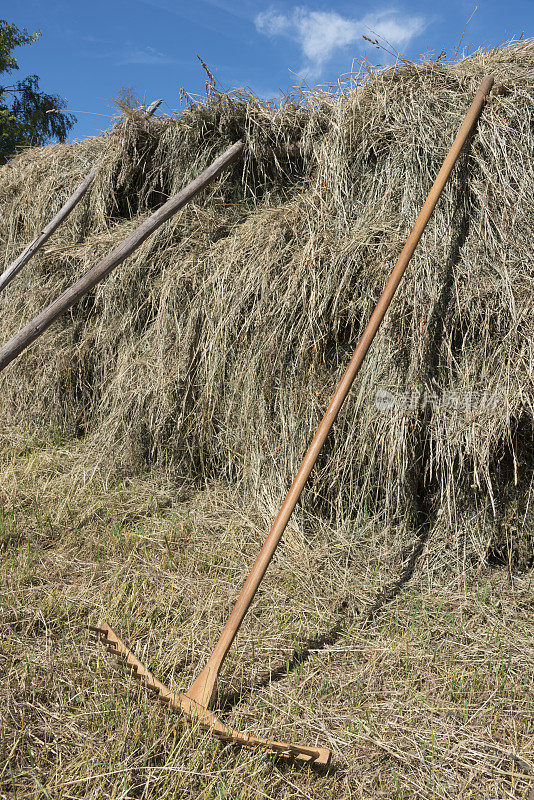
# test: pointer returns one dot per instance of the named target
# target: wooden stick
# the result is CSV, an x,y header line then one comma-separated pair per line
x,y
75,292
204,687
14,268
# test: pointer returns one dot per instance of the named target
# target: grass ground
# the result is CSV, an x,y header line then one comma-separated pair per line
x,y
418,677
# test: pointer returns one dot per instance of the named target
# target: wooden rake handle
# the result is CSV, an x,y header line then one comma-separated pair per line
x,y
203,688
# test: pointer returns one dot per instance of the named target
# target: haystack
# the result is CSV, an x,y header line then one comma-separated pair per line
x,y
215,348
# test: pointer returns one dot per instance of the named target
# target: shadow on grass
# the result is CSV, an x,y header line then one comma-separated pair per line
x,y
304,650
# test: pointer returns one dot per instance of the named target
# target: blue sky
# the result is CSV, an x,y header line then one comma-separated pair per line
x,y
90,49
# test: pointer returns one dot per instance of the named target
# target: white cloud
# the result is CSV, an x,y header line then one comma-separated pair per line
x,y
394,29
271,23
320,33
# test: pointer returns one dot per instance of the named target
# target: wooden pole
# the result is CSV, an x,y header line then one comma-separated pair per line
x,y
204,687
14,268
75,292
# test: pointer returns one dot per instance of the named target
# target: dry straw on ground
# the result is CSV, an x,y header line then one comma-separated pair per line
x,y
205,361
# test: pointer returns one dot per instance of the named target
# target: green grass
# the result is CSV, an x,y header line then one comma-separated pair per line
x,y
429,697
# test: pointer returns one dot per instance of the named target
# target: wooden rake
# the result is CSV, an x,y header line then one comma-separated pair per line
x,y
195,703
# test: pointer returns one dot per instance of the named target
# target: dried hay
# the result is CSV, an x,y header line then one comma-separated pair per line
x,y
216,347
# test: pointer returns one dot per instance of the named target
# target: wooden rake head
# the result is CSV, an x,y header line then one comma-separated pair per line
x,y
200,714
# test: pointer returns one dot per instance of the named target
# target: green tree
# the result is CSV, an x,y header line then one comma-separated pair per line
x,y
28,116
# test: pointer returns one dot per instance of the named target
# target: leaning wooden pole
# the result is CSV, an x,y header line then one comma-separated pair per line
x,y
14,268
195,702
75,292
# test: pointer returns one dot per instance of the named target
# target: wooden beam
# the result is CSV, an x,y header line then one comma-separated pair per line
x,y
82,286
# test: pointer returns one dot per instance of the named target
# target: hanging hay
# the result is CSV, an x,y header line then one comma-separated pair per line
x,y
216,347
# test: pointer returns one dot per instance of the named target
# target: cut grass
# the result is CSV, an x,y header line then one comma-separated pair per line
x,y
148,438
422,690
